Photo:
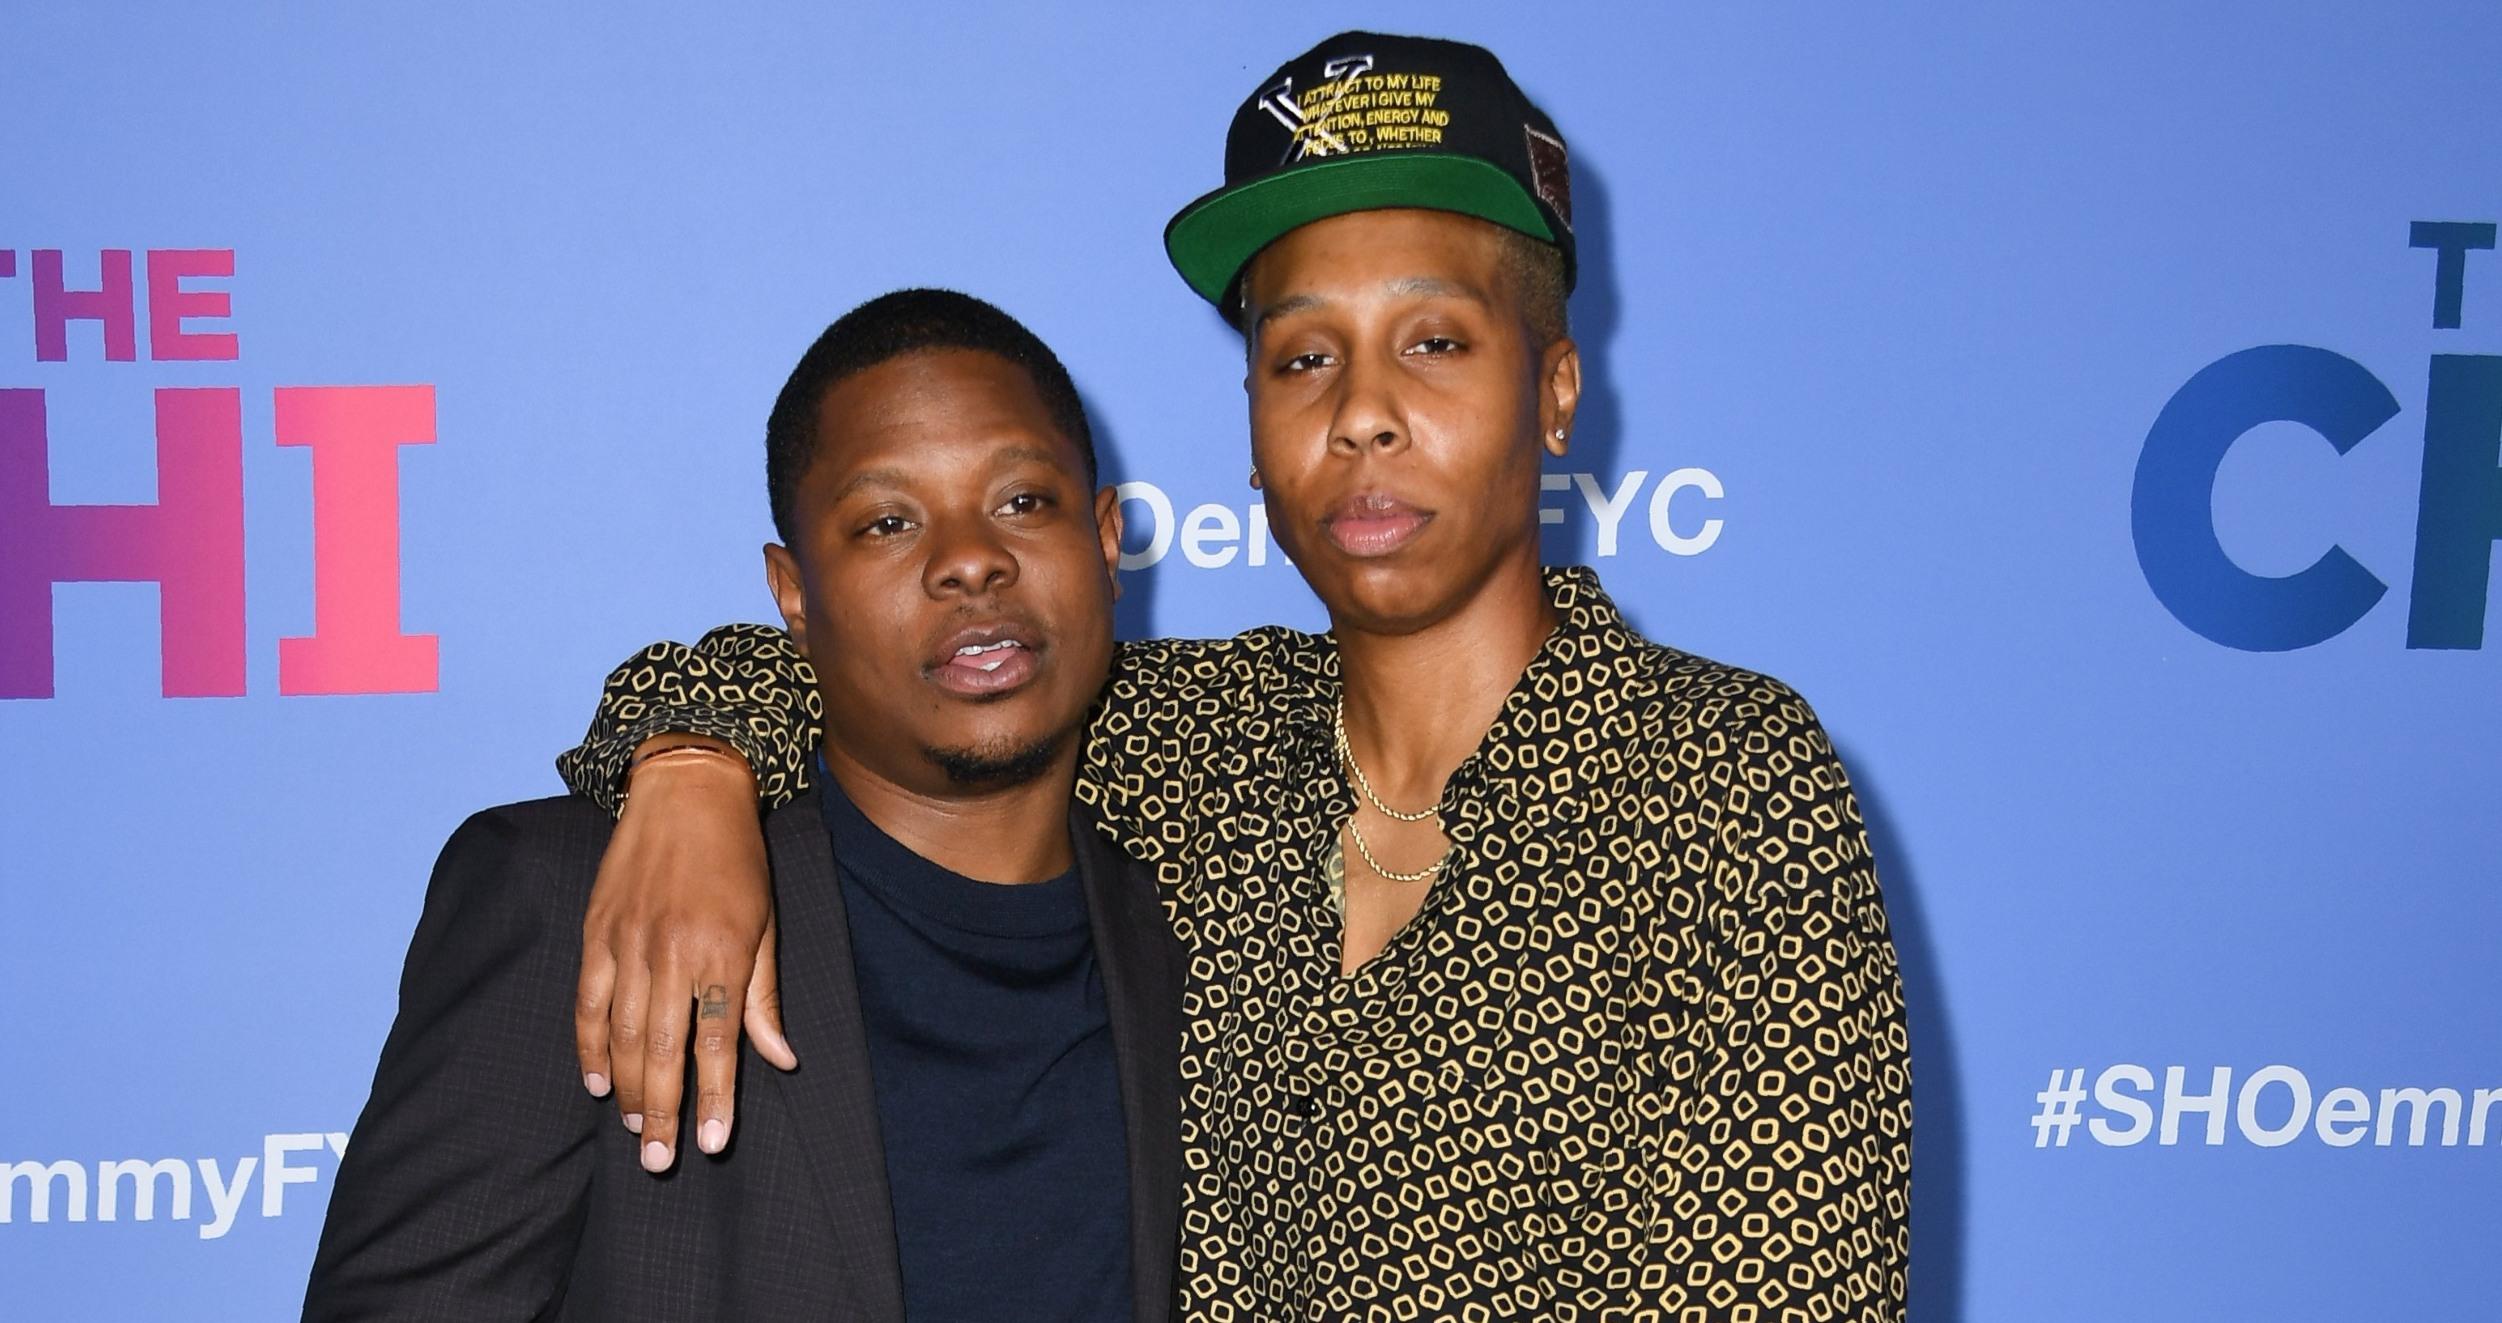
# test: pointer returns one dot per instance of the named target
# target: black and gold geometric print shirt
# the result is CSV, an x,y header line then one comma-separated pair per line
x,y
1641,1054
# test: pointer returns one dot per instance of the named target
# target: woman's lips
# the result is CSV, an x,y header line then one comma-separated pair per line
x,y
1373,524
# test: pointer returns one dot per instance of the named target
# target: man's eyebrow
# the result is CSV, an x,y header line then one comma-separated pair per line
x,y
895,479
868,478
1029,455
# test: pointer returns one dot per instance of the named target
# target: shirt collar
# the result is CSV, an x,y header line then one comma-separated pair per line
x,y
864,853
1591,650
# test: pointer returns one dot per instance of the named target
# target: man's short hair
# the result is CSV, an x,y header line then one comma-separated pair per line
x,y
1536,270
908,321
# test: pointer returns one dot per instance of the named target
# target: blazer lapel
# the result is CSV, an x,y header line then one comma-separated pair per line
x,y
1142,988
830,1095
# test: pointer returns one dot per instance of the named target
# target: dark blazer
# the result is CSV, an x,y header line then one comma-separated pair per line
x,y
483,1182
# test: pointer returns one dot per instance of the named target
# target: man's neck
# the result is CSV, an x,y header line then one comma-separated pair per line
x,y
1418,704
1007,835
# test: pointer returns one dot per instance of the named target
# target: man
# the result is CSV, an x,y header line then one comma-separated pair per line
x,y
986,991
1537,971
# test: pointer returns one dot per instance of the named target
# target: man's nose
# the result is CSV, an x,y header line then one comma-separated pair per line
x,y
967,558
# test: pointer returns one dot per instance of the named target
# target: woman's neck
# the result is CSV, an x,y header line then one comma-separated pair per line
x,y
1418,704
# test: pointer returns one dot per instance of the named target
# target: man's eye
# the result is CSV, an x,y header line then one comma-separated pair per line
x,y
886,526
1305,362
1025,503
1435,344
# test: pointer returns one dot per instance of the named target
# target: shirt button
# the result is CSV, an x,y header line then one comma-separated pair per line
x,y
1304,1106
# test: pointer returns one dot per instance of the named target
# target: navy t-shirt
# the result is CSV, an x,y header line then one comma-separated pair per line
x,y
990,1050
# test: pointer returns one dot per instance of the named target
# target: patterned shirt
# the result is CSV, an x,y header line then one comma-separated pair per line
x,y
1640,1055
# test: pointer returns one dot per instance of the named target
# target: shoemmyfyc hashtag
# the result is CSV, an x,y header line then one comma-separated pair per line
x,y
2272,1106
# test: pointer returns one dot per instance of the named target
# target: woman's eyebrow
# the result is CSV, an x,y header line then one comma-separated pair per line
x,y
1436,287
1402,287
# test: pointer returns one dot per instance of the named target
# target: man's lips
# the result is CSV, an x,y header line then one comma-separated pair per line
x,y
1374,524
985,660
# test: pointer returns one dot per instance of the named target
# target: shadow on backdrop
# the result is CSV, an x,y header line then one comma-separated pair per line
x,y
1133,616
1597,310
1938,1186
1598,429
1938,1152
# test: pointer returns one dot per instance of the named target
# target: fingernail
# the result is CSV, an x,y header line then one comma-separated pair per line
x,y
712,1135
596,1083
634,1122
655,1156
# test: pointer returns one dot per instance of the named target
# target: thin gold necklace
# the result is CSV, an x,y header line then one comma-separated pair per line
x,y
1356,835
1346,756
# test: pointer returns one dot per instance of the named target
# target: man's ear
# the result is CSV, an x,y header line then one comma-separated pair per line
x,y
782,580
1559,394
1108,529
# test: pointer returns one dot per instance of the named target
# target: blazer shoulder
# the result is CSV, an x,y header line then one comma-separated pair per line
x,y
556,841
550,814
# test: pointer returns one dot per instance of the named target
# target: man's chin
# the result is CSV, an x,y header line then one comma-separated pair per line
x,y
996,764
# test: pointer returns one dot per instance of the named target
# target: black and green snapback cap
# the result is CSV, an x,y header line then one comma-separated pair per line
x,y
1365,121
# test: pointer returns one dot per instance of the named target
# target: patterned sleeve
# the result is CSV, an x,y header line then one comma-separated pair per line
x,y
1808,1099
1155,739
747,684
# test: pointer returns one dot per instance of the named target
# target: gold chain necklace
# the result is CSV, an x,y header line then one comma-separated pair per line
x,y
1356,835
1346,756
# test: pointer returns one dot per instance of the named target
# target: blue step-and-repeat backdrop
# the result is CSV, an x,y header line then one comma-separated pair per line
x,y
2093,408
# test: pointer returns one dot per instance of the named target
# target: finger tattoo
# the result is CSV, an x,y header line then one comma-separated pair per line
x,y
715,1003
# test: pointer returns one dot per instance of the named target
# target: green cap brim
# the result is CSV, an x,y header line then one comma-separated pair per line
x,y
1214,237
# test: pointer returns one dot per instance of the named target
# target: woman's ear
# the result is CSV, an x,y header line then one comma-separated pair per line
x,y
1559,394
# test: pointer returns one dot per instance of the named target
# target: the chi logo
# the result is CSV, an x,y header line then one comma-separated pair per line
x,y
190,542
2459,510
